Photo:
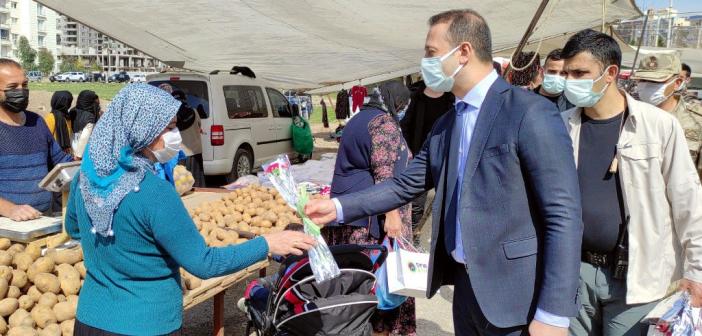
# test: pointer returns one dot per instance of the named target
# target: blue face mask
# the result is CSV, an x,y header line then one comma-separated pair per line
x,y
553,84
433,72
579,91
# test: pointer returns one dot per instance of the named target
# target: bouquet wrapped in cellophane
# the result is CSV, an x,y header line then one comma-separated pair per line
x,y
322,261
680,320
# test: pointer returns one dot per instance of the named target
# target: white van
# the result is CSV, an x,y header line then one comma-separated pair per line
x,y
246,122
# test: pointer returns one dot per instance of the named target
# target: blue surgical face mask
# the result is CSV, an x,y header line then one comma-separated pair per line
x,y
433,72
579,91
553,84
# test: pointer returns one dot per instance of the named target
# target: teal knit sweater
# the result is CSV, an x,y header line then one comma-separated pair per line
x,y
133,282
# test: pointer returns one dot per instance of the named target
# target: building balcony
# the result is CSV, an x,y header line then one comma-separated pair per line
x,y
4,9
5,42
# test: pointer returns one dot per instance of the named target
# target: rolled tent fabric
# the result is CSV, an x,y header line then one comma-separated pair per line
x,y
332,52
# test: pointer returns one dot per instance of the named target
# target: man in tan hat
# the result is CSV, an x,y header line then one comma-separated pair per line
x,y
659,84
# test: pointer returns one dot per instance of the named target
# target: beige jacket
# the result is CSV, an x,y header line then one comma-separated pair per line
x,y
662,197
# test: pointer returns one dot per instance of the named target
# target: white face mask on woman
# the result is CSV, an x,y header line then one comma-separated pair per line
x,y
172,141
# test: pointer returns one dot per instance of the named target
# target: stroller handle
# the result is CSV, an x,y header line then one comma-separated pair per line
x,y
363,248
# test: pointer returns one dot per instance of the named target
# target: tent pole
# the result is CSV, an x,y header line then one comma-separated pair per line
x,y
643,31
604,15
527,33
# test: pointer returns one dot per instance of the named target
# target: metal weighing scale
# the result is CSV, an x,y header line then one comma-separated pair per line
x,y
58,180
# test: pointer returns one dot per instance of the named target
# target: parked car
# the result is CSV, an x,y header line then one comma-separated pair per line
x,y
96,77
121,77
35,76
71,77
246,122
138,78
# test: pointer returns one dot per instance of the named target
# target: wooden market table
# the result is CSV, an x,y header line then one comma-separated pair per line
x,y
216,287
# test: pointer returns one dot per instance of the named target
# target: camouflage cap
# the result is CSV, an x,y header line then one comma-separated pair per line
x,y
658,67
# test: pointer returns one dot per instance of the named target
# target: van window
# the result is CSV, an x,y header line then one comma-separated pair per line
x,y
281,108
244,102
195,91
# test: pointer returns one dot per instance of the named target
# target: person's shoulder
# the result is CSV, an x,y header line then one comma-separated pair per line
x,y
694,107
652,117
49,117
29,115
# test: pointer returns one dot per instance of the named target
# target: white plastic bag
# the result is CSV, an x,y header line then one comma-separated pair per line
x,y
80,140
408,270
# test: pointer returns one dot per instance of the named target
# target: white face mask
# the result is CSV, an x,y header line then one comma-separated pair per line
x,y
653,93
579,91
433,72
553,84
172,141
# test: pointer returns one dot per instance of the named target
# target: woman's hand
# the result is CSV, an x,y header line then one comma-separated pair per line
x,y
288,242
393,224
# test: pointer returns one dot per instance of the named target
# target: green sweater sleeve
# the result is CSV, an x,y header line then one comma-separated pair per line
x,y
174,230
71,219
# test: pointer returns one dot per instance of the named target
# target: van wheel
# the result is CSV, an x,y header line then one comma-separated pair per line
x,y
242,166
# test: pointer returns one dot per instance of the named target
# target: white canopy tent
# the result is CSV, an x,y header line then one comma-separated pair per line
x,y
314,43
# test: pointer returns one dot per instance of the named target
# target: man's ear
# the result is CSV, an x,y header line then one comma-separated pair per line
x,y
612,73
677,83
466,52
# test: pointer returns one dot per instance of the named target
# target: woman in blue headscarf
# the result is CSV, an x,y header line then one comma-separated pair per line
x,y
133,227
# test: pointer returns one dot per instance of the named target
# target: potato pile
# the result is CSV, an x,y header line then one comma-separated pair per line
x,y
39,295
253,209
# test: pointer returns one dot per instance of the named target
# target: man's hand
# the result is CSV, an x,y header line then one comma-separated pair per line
x,y
537,328
695,290
21,213
393,224
321,212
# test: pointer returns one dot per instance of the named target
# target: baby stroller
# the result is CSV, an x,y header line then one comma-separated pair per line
x,y
298,305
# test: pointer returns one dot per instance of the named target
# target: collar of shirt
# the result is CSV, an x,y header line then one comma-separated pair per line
x,y
477,94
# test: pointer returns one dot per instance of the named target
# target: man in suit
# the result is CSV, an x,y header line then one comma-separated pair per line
x,y
507,221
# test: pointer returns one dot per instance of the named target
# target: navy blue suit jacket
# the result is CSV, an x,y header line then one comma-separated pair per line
x,y
520,206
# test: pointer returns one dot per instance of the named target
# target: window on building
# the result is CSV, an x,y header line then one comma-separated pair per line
x,y
40,41
13,5
41,25
4,34
40,9
15,38
15,20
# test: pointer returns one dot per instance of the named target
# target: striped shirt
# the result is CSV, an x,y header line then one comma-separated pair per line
x,y
26,154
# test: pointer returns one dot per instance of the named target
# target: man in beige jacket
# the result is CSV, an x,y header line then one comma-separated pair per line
x,y
641,196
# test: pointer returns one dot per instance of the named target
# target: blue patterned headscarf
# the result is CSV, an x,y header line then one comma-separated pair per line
x,y
113,166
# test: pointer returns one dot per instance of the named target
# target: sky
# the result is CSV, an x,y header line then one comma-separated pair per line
x,y
680,5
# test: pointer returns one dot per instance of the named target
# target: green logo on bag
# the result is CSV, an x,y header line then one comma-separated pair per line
x,y
417,267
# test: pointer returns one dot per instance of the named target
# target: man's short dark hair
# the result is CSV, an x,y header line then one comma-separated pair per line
x,y
524,77
687,69
554,55
602,47
9,62
466,25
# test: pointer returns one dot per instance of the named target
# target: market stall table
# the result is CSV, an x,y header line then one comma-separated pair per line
x,y
216,287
